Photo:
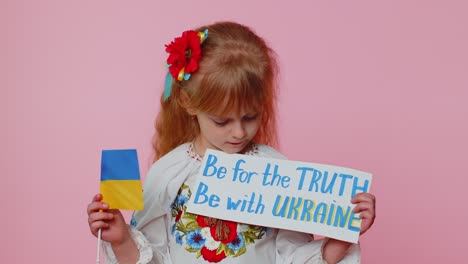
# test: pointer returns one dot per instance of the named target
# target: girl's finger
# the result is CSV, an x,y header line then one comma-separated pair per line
x,y
95,226
100,216
366,215
363,197
96,206
97,198
362,207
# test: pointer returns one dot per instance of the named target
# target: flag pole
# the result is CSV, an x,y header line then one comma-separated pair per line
x,y
98,257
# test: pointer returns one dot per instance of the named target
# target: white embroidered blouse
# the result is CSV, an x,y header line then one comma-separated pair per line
x,y
165,233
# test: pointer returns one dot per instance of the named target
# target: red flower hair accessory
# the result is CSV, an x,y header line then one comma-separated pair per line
x,y
184,55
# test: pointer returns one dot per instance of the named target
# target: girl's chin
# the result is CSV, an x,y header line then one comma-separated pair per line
x,y
230,150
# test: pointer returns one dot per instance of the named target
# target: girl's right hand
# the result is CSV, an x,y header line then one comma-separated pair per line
x,y
110,221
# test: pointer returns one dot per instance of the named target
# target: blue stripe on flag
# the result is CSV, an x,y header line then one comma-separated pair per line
x,y
120,164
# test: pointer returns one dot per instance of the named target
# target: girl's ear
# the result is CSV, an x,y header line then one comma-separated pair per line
x,y
185,102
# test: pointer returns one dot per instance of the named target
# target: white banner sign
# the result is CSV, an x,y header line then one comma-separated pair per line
x,y
300,196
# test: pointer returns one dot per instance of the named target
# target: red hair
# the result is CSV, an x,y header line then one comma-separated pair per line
x,y
237,71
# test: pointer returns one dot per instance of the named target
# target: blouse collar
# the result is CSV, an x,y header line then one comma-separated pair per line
x,y
253,150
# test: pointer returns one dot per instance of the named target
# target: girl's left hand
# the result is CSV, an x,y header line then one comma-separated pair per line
x,y
365,205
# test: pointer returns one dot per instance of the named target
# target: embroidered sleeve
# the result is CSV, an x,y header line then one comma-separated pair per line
x,y
353,256
146,254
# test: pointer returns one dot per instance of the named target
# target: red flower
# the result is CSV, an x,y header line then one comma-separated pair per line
x,y
211,256
184,52
201,221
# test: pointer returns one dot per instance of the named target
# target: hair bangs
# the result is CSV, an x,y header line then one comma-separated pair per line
x,y
229,89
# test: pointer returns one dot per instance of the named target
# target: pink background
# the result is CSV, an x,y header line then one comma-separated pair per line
x,y
380,87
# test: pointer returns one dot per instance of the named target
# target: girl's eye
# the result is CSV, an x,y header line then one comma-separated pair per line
x,y
250,118
220,122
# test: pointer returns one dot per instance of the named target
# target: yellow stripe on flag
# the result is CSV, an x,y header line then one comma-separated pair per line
x,y
122,194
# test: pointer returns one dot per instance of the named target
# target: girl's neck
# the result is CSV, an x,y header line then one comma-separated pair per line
x,y
200,149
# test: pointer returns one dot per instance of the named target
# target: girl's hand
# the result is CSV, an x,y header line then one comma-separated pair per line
x,y
365,205
112,224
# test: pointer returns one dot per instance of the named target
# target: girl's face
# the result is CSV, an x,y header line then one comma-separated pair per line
x,y
229,133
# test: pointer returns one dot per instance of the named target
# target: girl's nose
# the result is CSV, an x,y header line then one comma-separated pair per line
x,y
238,130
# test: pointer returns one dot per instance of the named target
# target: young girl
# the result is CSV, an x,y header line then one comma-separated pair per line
x,y
220,94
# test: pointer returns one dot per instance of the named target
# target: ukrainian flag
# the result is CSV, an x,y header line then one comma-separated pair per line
x,y
120,179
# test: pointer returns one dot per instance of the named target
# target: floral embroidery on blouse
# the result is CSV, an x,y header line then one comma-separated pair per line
x,y
198,237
